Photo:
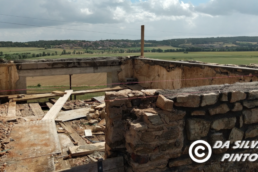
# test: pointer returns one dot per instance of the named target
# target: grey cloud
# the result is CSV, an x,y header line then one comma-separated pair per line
x,y
227,7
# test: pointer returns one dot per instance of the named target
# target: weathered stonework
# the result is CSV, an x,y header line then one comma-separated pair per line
x,y
250,104
221,109
237,95
253,95
224,123
188,101
235,135
250,116
209,99
197,128
237,107
251,132
164,103
224,97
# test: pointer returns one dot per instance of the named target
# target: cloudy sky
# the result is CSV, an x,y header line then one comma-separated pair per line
x,y
29,20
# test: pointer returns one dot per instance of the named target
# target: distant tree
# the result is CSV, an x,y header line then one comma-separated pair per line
x,y
1,53
44,54
56,52
39,85
74,51
48,54
53,54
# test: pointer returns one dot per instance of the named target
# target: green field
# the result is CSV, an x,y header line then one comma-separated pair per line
x,y
229,57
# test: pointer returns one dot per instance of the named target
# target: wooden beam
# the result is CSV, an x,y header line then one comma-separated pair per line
x,y
75,136
47,95
86,149
142,41
52,113
72,114
112,164
36,109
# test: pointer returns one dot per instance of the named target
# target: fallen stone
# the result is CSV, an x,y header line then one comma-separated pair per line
x,y
97,113
209,99
224,123
102,114
164,103
235,135
92,110
221,109
224,97
175,115
93,121
237,107
250,116
138,126
197,128
251,132
92,116
177,163
98,128
213,139
250,104
253,95
152,118
149,92
198,113
237,95
188,101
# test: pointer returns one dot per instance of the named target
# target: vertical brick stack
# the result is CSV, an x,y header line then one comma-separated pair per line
x,y
154,132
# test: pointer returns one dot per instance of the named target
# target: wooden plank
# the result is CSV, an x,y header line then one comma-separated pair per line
x,y
11,110
64,106
99,99
52,113
86,149
36,109
97,90
47,95
75,136
109,165
49,105
72,114
34,96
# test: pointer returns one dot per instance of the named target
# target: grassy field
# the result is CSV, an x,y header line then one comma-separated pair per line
x,y
246,57
92,81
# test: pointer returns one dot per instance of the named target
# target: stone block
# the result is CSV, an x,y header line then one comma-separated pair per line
x,y
198,113
175,115
253,95
251,132
217,137
138,126
181,162
149,92
152,118
148,137
209,99
224,97
224,123
250,116
250,104
139,159
188,101
237,107
136,94
164,103
237,96
197,128
235,134
221,109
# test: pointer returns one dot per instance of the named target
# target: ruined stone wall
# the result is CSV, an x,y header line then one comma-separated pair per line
x,y
154,129
158,74
8,78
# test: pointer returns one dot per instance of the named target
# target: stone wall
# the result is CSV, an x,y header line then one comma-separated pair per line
x,y
153,129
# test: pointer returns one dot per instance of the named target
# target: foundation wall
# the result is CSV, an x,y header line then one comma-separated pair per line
x,y
158,74
8,78
154,129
